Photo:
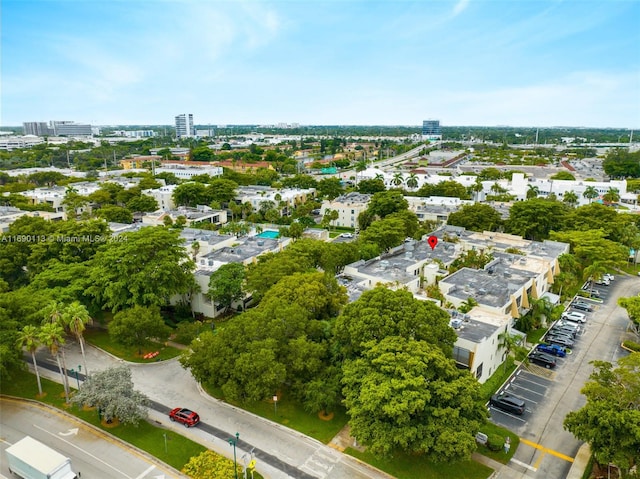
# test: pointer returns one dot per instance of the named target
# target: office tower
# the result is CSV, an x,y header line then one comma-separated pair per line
x,y
37,128
431,130
70,128
184,126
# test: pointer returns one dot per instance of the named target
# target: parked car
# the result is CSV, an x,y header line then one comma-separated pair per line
x,y
568,324
603,281
346,235
582,306
594,293
542,359
554,349
559,340
185,416
608,276
574,316
560,330
508,403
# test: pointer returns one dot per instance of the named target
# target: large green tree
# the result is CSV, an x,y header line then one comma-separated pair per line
x,y
610,420
386,202
535,218
138,326
225,284
143,268
406,395
383,312
476,217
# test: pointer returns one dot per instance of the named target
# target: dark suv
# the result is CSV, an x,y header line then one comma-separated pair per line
x,y
582,306
542,359
508,403
184,416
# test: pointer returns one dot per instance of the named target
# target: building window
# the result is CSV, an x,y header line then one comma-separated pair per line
x,y
479,371
461,355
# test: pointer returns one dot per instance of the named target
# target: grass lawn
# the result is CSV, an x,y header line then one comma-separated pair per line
x,y
411,467
490,428
291,414
102,340
146,437
536,336
492,384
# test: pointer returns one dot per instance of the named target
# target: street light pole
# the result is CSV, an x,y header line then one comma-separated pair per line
x,y
75,373
234,443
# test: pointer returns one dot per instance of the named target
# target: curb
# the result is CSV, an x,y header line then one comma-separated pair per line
x,y
99,432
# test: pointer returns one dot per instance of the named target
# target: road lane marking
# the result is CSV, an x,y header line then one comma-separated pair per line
x,y
149,469
546,450
86,452
537,464
525,465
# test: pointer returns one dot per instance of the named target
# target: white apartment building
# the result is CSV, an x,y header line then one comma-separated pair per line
x,y
186,172
184,125
284,199
348,206
164,196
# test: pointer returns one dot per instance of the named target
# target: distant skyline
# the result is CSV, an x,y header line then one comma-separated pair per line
x,y
335,62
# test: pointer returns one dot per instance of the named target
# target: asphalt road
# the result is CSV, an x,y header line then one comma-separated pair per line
x,y
92,452
546,449
280,452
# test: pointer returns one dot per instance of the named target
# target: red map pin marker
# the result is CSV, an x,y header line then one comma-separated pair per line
x,y
433,241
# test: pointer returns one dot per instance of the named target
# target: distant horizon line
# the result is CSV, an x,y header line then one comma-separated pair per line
x,y
300,125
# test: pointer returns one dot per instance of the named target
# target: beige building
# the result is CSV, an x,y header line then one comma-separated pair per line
x,y
348,206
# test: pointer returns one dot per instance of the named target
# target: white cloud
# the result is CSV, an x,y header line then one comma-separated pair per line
x,y
459,7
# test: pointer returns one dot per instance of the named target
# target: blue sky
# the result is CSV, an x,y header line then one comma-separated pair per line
x,y
345,62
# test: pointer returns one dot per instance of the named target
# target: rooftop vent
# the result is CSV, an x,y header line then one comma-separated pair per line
x,y
482,292
260,243
455,323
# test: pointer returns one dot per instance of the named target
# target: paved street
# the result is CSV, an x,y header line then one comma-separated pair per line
x,y
92,453
280,451
546,449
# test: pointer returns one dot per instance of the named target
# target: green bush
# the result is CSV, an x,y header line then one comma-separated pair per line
x,y
631,345
495,442
186,332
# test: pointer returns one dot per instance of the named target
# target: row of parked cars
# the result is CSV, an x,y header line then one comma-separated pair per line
x,y
558,342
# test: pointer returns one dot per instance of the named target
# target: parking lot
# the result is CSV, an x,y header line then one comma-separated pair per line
x,y
549,393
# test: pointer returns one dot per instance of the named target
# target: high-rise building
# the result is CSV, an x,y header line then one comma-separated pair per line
x,y
431,130
184,126
71,128
37,128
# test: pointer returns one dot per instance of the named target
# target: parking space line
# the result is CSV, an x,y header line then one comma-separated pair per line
x,y
528,390
519,397
531,379
506,413
546,450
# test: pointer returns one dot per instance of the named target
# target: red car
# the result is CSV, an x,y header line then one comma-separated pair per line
x,y
184,416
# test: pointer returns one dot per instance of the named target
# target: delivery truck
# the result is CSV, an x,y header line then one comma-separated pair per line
x,y
30,459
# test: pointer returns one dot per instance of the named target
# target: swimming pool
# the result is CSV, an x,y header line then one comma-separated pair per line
x,y
269,234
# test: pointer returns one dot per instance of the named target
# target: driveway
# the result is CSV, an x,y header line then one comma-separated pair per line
x,y
546,449
280,452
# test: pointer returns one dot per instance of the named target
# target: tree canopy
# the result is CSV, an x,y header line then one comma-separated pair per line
x,y
406,394
111,392
610,420
142,268
476,217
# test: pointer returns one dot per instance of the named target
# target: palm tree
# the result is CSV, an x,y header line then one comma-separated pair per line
x,y
570,198
611,196
398,179
29,338
532,192
508,342
76,317
52,336
590,192
477,188
195,249
412,181
53,314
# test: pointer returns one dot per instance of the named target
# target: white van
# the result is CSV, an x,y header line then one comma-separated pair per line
x,y
574,316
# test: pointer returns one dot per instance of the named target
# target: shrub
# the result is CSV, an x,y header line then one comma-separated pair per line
x,y
495,442
187,332
631,345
